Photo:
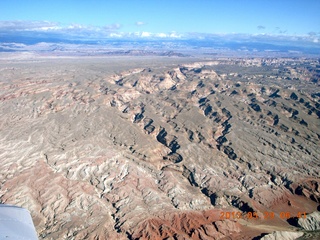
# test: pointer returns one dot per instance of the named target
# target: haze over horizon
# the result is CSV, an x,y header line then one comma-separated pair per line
x,y
162,19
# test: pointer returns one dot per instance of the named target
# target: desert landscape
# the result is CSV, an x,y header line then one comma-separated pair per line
x,y
162,147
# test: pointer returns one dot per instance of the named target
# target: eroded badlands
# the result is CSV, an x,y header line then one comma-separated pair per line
x,y
160,148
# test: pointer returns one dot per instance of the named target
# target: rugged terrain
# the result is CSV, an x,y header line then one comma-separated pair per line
x,y
160,147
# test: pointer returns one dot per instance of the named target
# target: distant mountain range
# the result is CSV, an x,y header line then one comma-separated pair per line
x,y
13,41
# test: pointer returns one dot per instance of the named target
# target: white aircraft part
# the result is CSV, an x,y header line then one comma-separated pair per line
x,y
16,224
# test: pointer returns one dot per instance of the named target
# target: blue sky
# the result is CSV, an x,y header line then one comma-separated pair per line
x,y
286,17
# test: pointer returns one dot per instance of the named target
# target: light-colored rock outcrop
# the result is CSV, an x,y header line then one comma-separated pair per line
x,y
283,235
311,222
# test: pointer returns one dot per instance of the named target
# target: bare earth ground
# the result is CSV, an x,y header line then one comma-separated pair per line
x,y
159,147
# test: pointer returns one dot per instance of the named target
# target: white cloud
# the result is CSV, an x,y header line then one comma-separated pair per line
x,y
161,35
145,34
139,23
27,25
80,31
76,26
112,27
175,35
45,26
117,35
53,28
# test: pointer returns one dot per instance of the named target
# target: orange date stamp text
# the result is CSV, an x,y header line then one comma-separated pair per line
x,y
262,216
